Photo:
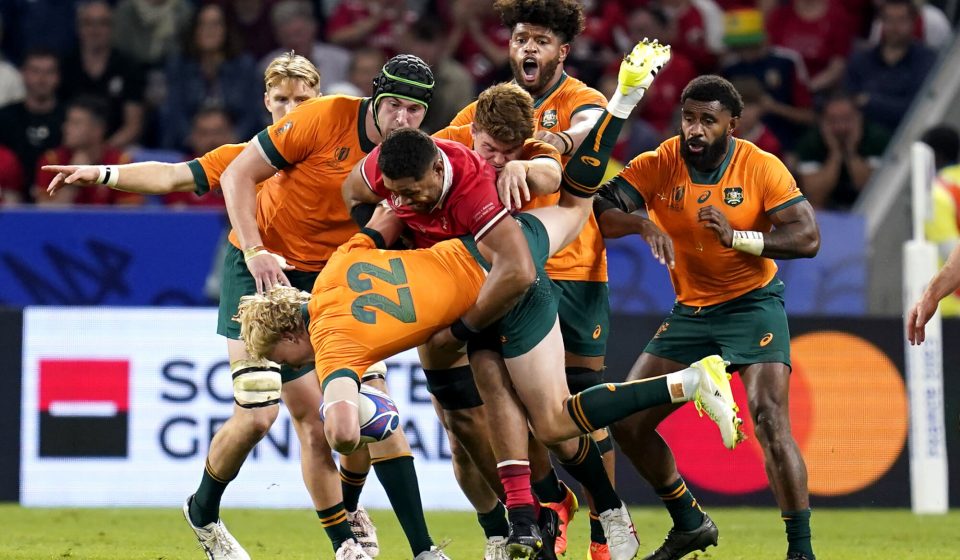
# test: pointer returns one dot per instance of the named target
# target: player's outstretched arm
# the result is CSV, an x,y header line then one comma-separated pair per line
x,y
149,177
521,179
944,283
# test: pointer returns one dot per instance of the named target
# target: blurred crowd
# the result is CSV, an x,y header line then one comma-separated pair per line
x,y
825,82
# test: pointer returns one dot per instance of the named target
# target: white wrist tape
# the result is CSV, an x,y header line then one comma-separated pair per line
x,y
109,175
621,105
748,242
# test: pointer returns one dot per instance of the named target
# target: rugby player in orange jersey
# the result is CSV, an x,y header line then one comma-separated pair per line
x,y
566,109
730,209
307,250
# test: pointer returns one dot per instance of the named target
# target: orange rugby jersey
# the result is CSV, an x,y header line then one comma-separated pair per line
x,y
300,210
748,187
369,304
585,259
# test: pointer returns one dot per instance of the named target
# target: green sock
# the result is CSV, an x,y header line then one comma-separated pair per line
x,y
351,484
798,532
681,504
583,174
334,521
600,406
587,467
548,489
596,530
494,522
205,505
399,480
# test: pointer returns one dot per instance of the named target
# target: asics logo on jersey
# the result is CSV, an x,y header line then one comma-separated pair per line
x,y
703,197
766,339
591,161
733,196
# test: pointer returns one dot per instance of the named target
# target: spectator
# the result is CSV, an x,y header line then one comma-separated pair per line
x,y
478,40
820,31
659,105
146,30
252,19
786,103
837,159
886,78
377,23
932,27
99,70
295,26
11,84
211,73
751,126
453,85
11,177
699,31
365,64
32,126
84,143
211,129
943,227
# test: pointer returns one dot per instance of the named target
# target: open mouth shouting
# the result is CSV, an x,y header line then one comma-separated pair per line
x,y
530,70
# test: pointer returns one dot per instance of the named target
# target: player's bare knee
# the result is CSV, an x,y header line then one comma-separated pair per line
x,y
465,423
258,421
342,438
770,425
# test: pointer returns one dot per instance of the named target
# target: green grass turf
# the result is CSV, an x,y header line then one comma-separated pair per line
x,y
131,534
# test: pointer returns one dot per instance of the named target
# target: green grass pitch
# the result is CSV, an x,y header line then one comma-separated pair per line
x,y
745,534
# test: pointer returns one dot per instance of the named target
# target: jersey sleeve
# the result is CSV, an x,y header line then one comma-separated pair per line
x,y
641,179
465,116
533,149
476,204
208,168
779,187
587,98
293,138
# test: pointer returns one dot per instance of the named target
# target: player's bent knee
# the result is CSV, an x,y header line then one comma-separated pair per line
x,y
454,388
342,426
256,383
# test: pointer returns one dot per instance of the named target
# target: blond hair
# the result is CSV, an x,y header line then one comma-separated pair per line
x,y
505,112
265,318
291,66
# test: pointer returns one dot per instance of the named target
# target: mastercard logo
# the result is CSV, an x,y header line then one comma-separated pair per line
x,y
848,414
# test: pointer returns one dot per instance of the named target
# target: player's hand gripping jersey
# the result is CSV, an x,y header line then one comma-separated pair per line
x,y
749,185
585,259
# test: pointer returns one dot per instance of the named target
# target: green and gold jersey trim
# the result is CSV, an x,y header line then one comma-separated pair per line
x,y
200,182
540,100
270,150
786,204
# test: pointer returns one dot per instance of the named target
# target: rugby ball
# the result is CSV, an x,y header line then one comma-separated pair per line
x,y
378,415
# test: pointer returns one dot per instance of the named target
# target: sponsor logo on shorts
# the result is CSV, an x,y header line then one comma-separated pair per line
x,y
733,196
662,329
549,119
597,332
503,339
767,338
703,197
591,161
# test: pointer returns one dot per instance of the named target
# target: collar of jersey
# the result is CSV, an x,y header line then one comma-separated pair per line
x,y
539,101
447,180
713,177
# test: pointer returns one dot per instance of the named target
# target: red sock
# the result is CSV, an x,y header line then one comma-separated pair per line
x,y
515,476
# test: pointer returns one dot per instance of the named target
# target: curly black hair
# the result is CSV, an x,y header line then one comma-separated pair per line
x,y
563,17
714,88
406,152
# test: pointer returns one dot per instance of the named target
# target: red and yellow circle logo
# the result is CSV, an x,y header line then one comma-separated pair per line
x,y
848,413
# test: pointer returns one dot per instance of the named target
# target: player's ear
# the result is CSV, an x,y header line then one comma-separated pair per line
x,y
564,51
734,123
266,101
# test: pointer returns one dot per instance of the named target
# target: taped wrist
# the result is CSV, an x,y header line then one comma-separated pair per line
x,y
109,175
256,383
748,242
